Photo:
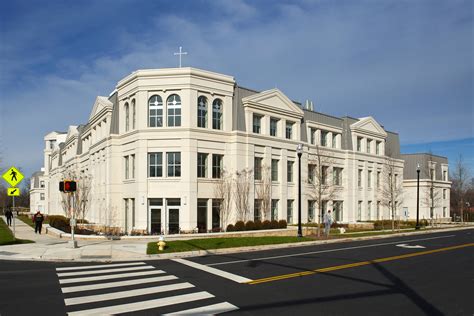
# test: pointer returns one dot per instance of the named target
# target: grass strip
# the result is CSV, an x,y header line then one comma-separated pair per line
x,y
6,236
28,220
220,243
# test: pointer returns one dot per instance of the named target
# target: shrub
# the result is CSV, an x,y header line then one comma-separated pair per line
x,y
266,224
59,222
230,228
239,226
258,224
274,224
250,225
282,223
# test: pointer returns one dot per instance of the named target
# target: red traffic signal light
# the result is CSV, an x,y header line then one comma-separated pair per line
x,y
67,186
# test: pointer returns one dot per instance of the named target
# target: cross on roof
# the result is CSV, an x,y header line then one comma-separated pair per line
x,y
180,54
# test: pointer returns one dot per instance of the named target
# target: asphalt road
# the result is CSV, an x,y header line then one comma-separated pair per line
x,y
428,274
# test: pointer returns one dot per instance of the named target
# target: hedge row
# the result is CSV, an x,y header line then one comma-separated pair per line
x,y
257,225
62,223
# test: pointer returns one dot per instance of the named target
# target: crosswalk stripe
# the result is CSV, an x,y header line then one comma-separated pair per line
x,y
73,289
101,266
221,273
66,274
123,294
109,277
207,310
143,305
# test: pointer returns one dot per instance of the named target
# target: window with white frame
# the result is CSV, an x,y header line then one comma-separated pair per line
x,y
359,178
258,168
289,130
311,208
311,173
127,117
275,169
174,110
334,140
202,111
202,165
174,164
444,194
369,142
324,138
217,166
257,121
445,175
312,133
289,171
134,114
359,211
337,176
369,179
377,147
273,126
274,210
338,207
369,210
378,179
359,144
289,211
126,163
324,175
155,111
257,210
217,114
155,165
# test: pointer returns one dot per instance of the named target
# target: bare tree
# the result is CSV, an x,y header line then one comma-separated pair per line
x,y
78,202
263,192
223,191
432,197
391,187
460,177
243,180
321,189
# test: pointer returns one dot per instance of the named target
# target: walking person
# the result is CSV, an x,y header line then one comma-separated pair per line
x,y
9,216
327,223
38,220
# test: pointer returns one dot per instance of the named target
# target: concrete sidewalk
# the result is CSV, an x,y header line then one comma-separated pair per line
x,y
47,248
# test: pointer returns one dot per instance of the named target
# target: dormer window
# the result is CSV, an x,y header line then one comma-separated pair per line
x,y
202,111
174,110
155,111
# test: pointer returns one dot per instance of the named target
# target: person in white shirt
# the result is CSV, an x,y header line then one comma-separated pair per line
x,y
327,222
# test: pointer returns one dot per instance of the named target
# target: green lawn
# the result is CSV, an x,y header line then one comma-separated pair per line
x,y
27,219
219,243
6,236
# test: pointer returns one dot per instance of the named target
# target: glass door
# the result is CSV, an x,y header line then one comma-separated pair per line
x,y
155,221
173,223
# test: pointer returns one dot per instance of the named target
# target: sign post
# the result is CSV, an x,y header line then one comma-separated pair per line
x,y
13,176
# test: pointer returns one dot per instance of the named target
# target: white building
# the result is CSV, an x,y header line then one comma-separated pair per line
x,y
157,146
38,192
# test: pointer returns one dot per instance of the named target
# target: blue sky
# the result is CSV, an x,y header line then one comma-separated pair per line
x,y
408,64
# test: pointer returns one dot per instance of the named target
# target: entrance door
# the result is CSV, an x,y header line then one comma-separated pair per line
x,y
155,221
173,223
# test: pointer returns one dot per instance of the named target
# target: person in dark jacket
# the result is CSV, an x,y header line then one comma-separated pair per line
x,y
9,216
38,220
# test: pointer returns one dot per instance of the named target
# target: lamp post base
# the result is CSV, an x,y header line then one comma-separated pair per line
x,y
72,243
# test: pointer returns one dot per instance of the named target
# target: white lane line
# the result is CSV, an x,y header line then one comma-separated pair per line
x,y
109,277
66,274
73,289
143,305
322,251
101,266
224,274
207,310
123,294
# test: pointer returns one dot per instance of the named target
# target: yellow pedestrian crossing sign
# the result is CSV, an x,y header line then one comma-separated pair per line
x,y
13,191
13,176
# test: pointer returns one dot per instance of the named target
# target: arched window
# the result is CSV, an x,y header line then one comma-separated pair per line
x,y
127,117
174,110
134,114
155,111
217,114
202,111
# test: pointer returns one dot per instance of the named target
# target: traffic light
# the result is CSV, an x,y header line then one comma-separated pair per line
x,y
67,186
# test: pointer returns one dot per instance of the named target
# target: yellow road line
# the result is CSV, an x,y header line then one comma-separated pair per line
x,y
356,264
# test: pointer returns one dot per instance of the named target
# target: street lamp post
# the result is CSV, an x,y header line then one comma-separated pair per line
x,y
417,197
299,150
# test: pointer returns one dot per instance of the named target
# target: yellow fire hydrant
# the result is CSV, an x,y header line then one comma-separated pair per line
x,y
161,243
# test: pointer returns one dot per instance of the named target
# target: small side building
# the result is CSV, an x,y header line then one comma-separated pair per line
x,y
38,192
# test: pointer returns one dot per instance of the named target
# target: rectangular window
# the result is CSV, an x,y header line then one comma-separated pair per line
x,y
274,215
202,215
432,174
216,214
125,161
289,171
311,207
324,175
274,170
132,161
337,176
334,140
369,179
155,165
378,210
257,210
125,206
359,144
359,178
41,184
369,142
174,164
258,168
289,130
273,126
378,179
217,166
41,196
445,175
444,194
338,209
257,120
444,212
202,111
202,165
377,148
324,138
369,210
359,211
132,202
289,211
313,136
311,171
